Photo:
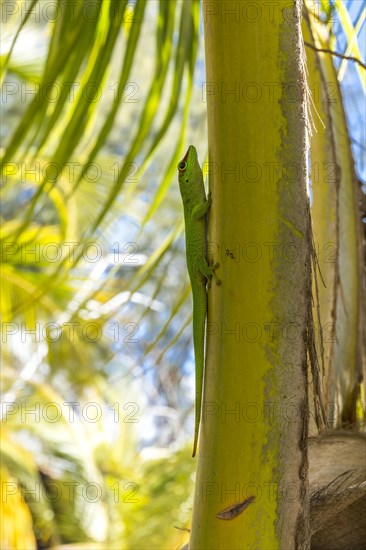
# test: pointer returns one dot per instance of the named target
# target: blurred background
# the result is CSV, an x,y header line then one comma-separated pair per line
x,y
99,102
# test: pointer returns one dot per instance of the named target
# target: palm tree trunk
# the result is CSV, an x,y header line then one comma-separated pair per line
x,y
255,413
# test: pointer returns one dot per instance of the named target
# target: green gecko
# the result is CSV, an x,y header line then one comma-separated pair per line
x,y
196,205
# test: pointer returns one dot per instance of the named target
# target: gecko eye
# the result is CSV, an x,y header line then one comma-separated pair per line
x,y
182,166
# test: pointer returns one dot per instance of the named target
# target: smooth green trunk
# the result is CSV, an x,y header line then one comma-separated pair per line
x,y
255,414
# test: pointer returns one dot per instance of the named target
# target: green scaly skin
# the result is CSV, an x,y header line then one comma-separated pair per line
x,y
195,206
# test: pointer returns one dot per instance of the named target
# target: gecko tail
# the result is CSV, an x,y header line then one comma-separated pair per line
x,y
199,388
199,328
195,441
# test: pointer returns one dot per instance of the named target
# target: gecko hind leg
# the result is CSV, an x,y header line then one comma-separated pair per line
x,y
214,267
208,271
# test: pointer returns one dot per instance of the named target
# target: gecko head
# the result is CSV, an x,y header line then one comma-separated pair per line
x,y
189,170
